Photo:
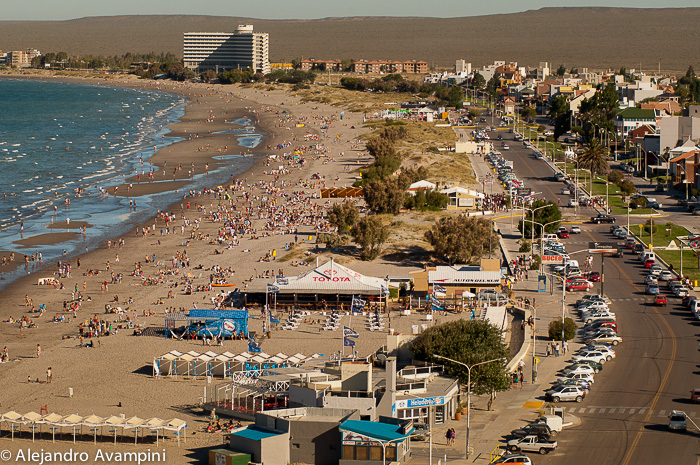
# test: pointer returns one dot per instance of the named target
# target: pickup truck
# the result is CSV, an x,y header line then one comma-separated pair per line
x,y
531,443
602,219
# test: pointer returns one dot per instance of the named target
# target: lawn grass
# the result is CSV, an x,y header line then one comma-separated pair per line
x,y
690,262
661,236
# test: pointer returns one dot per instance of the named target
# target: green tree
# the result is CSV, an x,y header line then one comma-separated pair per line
x,y
528,113
343,216
561,116
384,196
549,214
296,63
455,97
478,81
594,159
333,240
473,114
469,342
494,85
461,239
561,71
208,75
554,329
370,234
615,177
627,187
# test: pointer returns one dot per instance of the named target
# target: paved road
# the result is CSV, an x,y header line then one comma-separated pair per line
x,y
624,419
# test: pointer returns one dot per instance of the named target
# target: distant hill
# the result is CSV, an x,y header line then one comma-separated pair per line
x,y
583,37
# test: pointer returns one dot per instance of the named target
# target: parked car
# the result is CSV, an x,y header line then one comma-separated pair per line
x,y
596,366
513,459
579,285
605,350
582,383
593,317
531,444
566,394
540,430
606,337
600,324
594,355
596,297
576,368
584,376
594,276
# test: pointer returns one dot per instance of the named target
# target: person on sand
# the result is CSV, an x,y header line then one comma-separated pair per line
x,y
49,375
38,351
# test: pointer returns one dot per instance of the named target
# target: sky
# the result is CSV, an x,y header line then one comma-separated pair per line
x,y
297,9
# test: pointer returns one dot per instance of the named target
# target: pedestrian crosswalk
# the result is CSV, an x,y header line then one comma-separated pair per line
x,y
619,411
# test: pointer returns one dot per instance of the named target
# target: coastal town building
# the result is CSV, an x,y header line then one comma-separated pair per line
x,y
22,58
366,66
220,51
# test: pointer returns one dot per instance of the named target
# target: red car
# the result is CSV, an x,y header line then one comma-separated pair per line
x,y
594,276
648,263
660,299
563,234
579,285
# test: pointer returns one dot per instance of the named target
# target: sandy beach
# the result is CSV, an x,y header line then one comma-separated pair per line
x,y
138,271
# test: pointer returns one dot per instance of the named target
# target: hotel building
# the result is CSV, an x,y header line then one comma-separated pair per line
x,y
222,51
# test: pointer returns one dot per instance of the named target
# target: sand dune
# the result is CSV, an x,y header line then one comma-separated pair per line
x,y
582,37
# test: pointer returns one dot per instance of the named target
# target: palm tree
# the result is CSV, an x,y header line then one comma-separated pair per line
x,y
594,159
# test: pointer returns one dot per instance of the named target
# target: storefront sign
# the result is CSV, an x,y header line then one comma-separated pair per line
x,y
415,402
465,202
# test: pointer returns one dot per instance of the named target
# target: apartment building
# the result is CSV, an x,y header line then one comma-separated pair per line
x,y
220,51
22,58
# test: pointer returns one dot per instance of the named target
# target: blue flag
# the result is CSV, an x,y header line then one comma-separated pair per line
x,y
349,332
348,342
252,345
357,305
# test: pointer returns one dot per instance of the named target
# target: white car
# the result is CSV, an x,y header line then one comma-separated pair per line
x,y
584,376
607,351
575,230
591,306
592,356
655,270
580,369
681,292
651,279
598,316
594,297
606,337
565,393
665,275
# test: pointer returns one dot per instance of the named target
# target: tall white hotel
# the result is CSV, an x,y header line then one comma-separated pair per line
x,y
221,51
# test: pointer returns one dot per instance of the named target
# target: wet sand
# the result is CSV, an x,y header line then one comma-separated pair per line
x,y
46,239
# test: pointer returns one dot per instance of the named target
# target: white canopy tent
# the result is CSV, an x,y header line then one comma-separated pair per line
x,y
14,422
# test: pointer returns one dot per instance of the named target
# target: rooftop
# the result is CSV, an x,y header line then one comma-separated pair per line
x,y
379,431
254,433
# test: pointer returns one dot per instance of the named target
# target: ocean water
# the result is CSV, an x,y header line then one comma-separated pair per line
x,y
58,138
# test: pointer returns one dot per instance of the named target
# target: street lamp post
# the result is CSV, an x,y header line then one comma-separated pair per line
x,y
469,387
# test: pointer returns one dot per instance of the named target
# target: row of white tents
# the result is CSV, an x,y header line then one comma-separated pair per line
x,y
194,364
74,423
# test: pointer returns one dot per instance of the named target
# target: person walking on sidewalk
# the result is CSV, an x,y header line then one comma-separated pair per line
x,y
565,347
549,349
556,349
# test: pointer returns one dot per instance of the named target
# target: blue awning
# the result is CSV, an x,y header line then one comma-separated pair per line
x,y
210,314
380,431
254,433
